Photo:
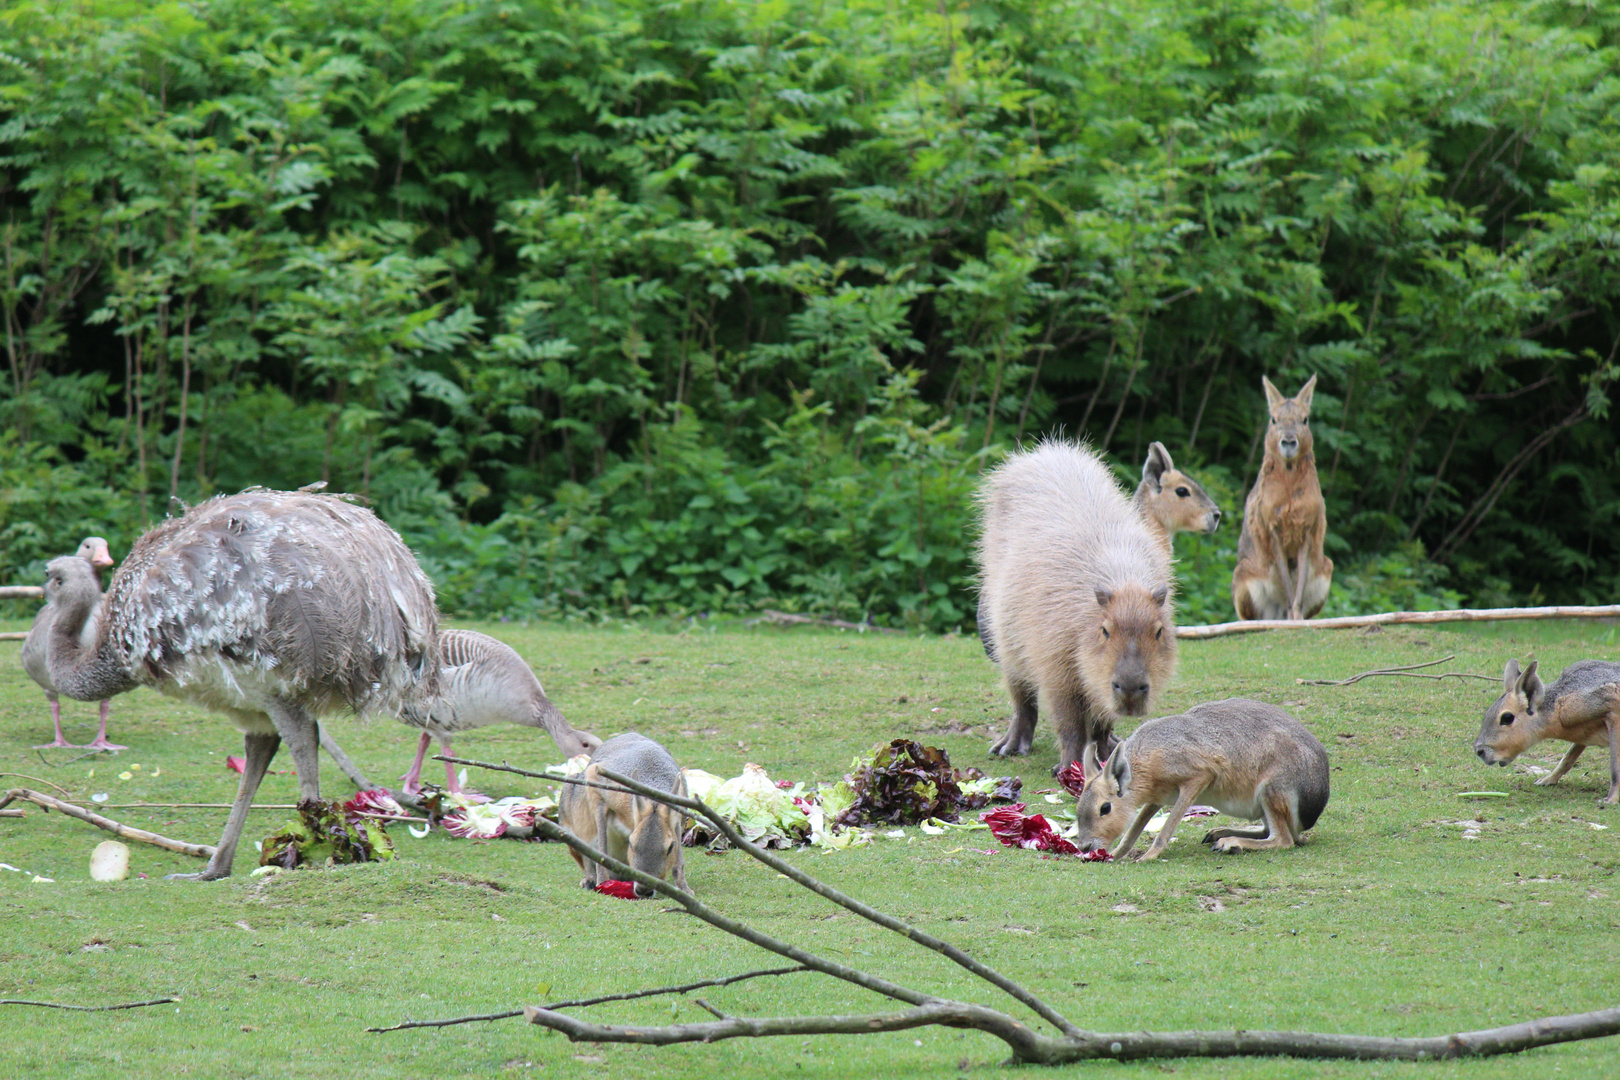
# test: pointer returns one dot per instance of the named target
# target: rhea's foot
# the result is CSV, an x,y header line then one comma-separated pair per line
x,y
101,743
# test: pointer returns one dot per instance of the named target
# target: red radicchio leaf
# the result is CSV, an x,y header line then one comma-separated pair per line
x,y
624,890
1015,828
784,784
235,764
1073,778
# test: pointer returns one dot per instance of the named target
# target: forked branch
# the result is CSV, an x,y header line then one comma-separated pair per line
x,y
1027,1045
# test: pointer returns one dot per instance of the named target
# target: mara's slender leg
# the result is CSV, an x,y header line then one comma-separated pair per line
x,y
1612,722
1128,841
56,722
1279,562
1259,833
1021,729
1296,609
344,762
1279,827
1574,753
259,749
604,838
1190,790
411,782
100,741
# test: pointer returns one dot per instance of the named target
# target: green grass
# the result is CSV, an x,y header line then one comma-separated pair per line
x,y
1387,922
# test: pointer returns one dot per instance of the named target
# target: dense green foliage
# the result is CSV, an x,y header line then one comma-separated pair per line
x,y
698,306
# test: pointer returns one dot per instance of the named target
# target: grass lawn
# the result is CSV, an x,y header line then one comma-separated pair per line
x,y
1411,911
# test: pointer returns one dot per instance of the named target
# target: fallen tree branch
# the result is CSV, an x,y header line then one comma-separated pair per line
x,y
37,780
784,618
13,813
201,851
1026,1044
1387,618
13,635
21,592
88,1008
1410,671
582,1002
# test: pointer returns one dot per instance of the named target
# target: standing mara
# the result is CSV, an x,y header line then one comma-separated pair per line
x,y
1281,571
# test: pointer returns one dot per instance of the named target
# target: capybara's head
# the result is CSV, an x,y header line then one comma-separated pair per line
x,y
1289,435
1175,500
655,844
1105,809
1511,723
1133,653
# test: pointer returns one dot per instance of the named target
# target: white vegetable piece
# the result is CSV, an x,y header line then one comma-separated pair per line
x,y
109,862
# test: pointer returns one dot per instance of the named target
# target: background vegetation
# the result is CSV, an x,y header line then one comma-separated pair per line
x,y
694,306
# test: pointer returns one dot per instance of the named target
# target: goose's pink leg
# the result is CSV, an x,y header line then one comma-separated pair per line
x,y
56,720
413,779
100,741
452,781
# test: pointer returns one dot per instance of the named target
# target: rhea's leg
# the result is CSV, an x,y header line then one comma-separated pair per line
x,y
100,741
56,722
259,749
451,780
302,735
411,782
1575,751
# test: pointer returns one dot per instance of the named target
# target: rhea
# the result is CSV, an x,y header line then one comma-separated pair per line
x,y
94,551
483,682
271,607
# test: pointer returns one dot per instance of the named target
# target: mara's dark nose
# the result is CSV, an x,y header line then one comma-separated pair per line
x,y
1214,520
1288,446
643,892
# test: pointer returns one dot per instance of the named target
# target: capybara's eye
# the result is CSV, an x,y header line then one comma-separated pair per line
x,y
1507,718
1182,492
1103,810
1159,633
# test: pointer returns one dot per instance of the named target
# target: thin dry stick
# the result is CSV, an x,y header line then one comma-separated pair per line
x,y
1402,617
787,619
1026,1044
37,780
1410,671
581,1002
13,635
88,1008
21,592
201,851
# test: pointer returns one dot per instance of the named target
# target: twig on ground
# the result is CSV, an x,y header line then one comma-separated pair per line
x,y
13,813
711,1010
1399,618
784,618
88,1008
1410,671
201,851
37,780
582,1002
22,592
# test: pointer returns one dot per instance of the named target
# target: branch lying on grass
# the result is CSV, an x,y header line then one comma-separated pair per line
x,y
13,635
201,851
89,1008
1410,671
581,1002
783,618
1399,617
1027,1045
22,592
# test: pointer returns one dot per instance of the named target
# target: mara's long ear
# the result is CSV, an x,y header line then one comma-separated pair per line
x,y
1274,397
1510,676
1118,770
1303,398
1530,685
1088,760
1157,464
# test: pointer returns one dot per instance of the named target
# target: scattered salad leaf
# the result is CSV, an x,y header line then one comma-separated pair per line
x,y
624,890
326,835
905,782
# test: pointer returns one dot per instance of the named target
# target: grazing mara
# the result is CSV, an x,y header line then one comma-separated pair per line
x,y
1281,571
272,607
1246,758
1581,706
631,828
1074,593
